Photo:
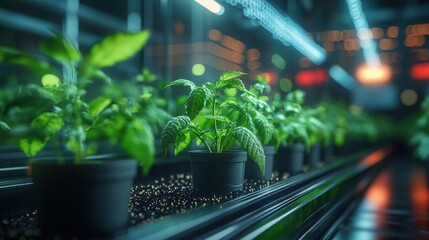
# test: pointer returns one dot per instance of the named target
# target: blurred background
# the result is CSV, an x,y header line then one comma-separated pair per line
x,y
372,54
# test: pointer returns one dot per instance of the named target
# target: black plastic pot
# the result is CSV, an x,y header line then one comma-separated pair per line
x,y
328,152
312,157
252,169
83,200
290,158
217,172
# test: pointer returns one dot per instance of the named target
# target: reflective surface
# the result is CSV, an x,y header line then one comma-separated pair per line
x,y
396,205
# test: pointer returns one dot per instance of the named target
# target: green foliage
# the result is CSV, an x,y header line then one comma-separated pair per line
x,y
419,137
172,130
197,101
31,146
60,48
212,119
26,59
252,146
128,113
98,104
116,48
289,120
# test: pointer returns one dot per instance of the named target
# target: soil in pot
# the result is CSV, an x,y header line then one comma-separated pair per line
x,y
217,172
312,157
290,158
252,169
83,200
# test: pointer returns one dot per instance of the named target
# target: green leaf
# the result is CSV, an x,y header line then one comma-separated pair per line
x,y
230,75
183,140
26,59
218,118
196,101
231,83
244,116
50,122
116,48
50,80
182,82
138,142
171,131
98,105
60,48
264,127
31,146
252,145
4,127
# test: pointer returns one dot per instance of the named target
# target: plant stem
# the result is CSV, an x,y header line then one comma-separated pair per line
x,y
225,141
202,140
218,148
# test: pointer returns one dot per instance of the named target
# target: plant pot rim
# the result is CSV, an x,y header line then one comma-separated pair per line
x,y
89,162
226,156
228,152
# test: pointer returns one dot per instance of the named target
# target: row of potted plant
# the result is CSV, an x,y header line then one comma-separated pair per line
x,y
89,106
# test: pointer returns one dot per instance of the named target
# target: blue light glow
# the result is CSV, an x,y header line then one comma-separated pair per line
x,y
363,32
342,77
282,27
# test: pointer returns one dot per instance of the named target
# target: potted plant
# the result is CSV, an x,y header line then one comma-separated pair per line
x,y
84,196
260,121
335,120
214,170
317,133
292,133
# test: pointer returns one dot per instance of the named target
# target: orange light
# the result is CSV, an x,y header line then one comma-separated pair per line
x,y
215,35
387,44
373,75
420,71
253,65
253,54
392,32
270,76
376,156
419,197
380,191
233,44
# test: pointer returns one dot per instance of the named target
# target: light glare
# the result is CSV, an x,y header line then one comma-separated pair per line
x,y
212,6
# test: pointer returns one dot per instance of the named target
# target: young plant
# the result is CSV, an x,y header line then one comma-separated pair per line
x,y
289,122
316,128
254,112
208,119
72,111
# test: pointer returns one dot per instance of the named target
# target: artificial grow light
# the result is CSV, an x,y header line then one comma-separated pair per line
x,y
212,6
282,27
363,32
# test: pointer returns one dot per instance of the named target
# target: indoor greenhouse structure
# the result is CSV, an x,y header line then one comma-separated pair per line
x,y
214,119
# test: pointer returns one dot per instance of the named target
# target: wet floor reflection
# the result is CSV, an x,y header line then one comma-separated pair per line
x,y
395,206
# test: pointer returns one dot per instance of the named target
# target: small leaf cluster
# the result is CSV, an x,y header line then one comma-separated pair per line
x,y
209,119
